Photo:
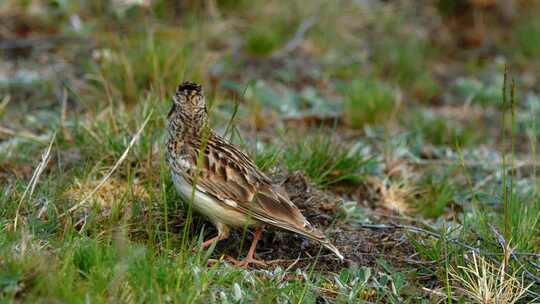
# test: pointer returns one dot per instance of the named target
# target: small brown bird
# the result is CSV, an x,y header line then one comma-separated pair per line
x,y
221,181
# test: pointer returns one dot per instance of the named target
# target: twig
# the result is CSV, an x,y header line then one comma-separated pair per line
x,y
534,264
34,180
4,104
279,261
289,268
523,163
418,230
63,113
438,236
19,43
503,244
109,174
23,134
443,295
297,38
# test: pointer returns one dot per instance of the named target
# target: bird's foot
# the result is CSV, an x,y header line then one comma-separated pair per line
x,y
206,244
246,262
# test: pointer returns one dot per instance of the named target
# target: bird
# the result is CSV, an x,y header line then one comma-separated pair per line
x,y
223,183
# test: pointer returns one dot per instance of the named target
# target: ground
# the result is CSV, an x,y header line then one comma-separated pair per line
x,y
405,130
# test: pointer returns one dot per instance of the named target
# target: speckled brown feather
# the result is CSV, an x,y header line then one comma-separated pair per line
x,y
227,174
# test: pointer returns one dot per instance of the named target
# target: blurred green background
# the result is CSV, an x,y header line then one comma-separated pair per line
x,y
393,111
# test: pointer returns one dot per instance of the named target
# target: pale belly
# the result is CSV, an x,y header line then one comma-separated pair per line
x,y
209,207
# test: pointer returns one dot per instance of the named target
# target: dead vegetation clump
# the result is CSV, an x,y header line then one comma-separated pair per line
x,y
114,193
486,283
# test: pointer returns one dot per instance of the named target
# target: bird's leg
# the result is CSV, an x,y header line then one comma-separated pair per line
x,y
249,258
209,242
223,233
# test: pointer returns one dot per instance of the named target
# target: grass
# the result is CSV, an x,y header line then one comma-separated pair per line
x,y
326,162
128,242
267,158
404,61
429,128
436,195
475,91
525,222
528,37
482,282
263,40
112,268
264,36
323,160
369,102
143,62
118,254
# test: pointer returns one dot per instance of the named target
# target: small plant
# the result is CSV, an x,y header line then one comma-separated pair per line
x,y
486,283
435,195
524,222
404,60
528,37
394,194
266,37
267,158
478,92
262,41
326,162
368,102
438,131
407,60
425,88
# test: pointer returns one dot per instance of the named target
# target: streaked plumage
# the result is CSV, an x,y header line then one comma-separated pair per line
x,y
229,188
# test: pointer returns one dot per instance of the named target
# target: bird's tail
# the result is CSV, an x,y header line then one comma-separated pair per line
x,y
316,235
333,248
298,224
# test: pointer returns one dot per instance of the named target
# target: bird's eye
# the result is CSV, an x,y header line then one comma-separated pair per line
x,y
182,99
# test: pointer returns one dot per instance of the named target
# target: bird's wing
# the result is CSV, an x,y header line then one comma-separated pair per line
x,y
229,175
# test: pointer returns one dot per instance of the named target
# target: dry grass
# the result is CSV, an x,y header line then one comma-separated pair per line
x,y
483,282
394,195
106,195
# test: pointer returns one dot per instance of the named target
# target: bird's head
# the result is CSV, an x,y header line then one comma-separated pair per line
x,y
189,101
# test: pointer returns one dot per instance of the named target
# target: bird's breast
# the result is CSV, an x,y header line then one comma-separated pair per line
x,y
210,206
